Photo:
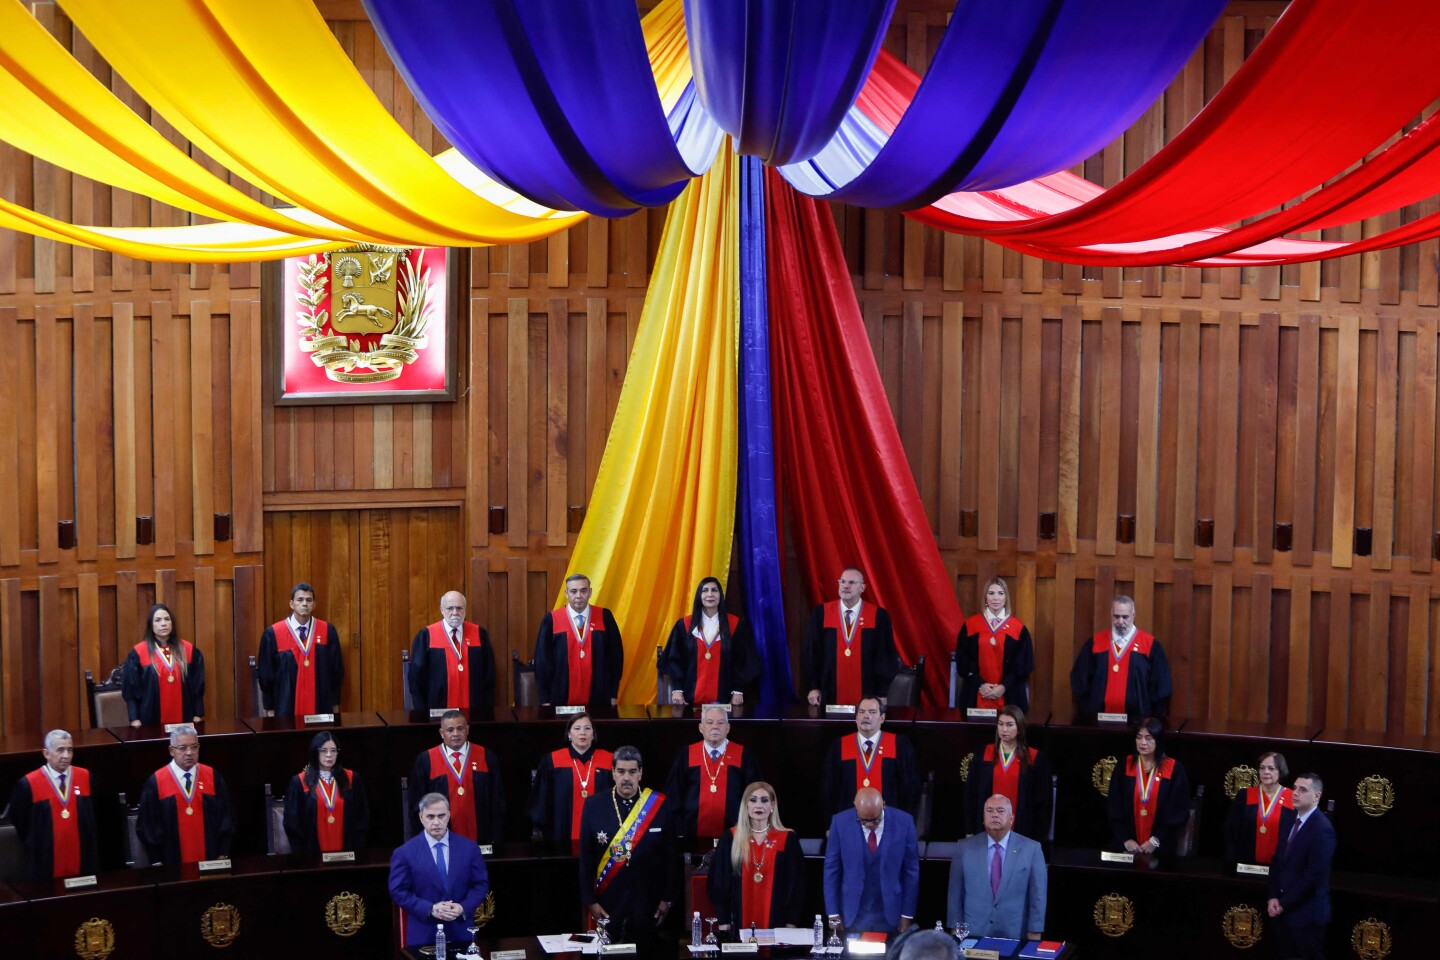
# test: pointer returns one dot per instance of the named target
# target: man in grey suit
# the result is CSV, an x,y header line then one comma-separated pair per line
x,y
997,879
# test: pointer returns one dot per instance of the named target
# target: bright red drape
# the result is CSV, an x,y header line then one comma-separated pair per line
x,y
846,481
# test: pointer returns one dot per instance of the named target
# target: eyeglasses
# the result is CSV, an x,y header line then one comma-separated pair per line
x,y
869,821
326,751
851,583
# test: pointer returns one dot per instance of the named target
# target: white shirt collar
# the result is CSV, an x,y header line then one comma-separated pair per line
x,y
1122,639
433,842
295,626
1004,842
179,773
54,775
724,745
1300,818
856,608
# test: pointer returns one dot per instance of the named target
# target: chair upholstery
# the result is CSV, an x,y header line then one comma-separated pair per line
x,y
405,679
1185,846
663,686
522,677
905,688
107,703
277,841
12,851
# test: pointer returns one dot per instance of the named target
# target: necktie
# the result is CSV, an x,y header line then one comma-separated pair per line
x,y
714,754
1293,830
187,782
580,626
455,636
440,859
303,632
994,868
871,842
455,761
62,784
849,619
868,747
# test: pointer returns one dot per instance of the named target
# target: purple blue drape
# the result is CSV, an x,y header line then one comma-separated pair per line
x,y
779,75
1016,90
553,98
757,528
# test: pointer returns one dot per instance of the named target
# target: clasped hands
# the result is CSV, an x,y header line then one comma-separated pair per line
x,y
447,910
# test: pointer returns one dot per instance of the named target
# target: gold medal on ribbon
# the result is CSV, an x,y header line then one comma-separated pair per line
x,y
707,655
584,794
712,788
582,654
992,641
759,876
1264,830
460,667
64,814
847,651
170,679
460,791
330,819
865,782
189,811
307,663
1115,668
1144,812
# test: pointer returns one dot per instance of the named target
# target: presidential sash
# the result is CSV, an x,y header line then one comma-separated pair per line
x,y
621,848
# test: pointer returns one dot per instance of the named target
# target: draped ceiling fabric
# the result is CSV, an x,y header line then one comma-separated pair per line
x,y
662,513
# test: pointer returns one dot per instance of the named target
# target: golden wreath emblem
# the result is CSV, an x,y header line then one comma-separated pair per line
x,y
965,768
1100,775
1240,778
1242,926
1376,795
94,939
345,914
381,303
220,925
1371,939
1114,915
486,911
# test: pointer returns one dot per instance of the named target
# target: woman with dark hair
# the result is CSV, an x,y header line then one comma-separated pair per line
x,y
710,656
757,873
1150,797
1260,815
326,809
1010,767
163,680
565,778
994,655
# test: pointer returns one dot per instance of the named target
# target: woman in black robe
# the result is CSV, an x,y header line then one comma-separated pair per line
x,y
711,638
163,679
564,779
757,872
1149,801
326,809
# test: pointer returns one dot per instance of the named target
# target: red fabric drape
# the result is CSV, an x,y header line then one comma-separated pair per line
x,y
846,480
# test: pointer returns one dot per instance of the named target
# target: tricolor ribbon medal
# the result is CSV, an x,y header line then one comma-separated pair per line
x,y
580,639
847,631
1267,809
618,852
329,797
457,770
1146,785
867,763
64,797
187,794
699,634
1007,758
303,644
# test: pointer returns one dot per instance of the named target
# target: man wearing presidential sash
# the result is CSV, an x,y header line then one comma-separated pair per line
x,y
300,666
849,649
185,806
53,814
870,757
629,867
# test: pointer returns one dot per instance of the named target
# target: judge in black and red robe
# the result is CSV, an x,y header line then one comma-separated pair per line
x,y
870,757
1260,815
710,656
849,650
452,663
708,778
54,815
579,656
566,778
300,666
1013,769
469,775
326,809
163,679
994,657
1122,670
757,873
1149,800
185,814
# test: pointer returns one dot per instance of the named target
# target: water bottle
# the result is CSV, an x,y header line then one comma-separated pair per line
x,y
695,934
439,941
819,931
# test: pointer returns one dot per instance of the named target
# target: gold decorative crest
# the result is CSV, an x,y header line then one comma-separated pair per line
x,y
486,911
1242,926
1371,939
94,939
220,925
1376,795
345,914
1100,775
370,298
965,768
1240,778
1114,915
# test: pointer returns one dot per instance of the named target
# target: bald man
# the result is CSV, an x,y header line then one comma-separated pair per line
x,y
872,867
452,664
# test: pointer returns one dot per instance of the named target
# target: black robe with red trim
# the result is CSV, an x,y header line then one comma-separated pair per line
x,y
1018,662
738,665
878,660
304,805
651,875
1242,825
787,889
1032,812
899,774
140,685
552,660
279,674
687,780
1147,684
430,676
162,809
552,807
482,785
1172,804
32,813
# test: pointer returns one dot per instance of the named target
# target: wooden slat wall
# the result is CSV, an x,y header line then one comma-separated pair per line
x,y
1169,400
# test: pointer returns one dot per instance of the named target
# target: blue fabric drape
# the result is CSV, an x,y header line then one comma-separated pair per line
x,y
778,75
1016,91
757,529
553,98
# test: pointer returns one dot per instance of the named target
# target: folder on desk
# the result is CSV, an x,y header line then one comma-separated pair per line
x,y
1042,949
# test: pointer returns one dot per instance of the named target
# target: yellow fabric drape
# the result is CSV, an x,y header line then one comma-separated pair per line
x,y
662,514
244,88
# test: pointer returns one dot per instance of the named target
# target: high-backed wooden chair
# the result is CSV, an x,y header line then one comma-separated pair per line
x,y
909,681
107,703
277,841
524,691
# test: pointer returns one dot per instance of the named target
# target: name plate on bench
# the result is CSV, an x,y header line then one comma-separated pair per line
x,y
841,708
617,948
438,712
568,710
206,866
975,953
507,955
170,727
1107,856
319,718
1113,717
747,947
339,856
75,883
1257,869
981,713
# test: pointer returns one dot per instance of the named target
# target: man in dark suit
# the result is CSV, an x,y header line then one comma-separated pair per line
x,y
872,867
1300,876
997,879
437,877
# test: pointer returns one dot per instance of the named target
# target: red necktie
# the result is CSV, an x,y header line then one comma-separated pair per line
x,y
455,762
871,842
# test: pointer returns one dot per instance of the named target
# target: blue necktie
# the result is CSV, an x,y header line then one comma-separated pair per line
x,y
440,859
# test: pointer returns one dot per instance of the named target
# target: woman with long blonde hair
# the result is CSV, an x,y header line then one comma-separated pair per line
x,y
757,874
